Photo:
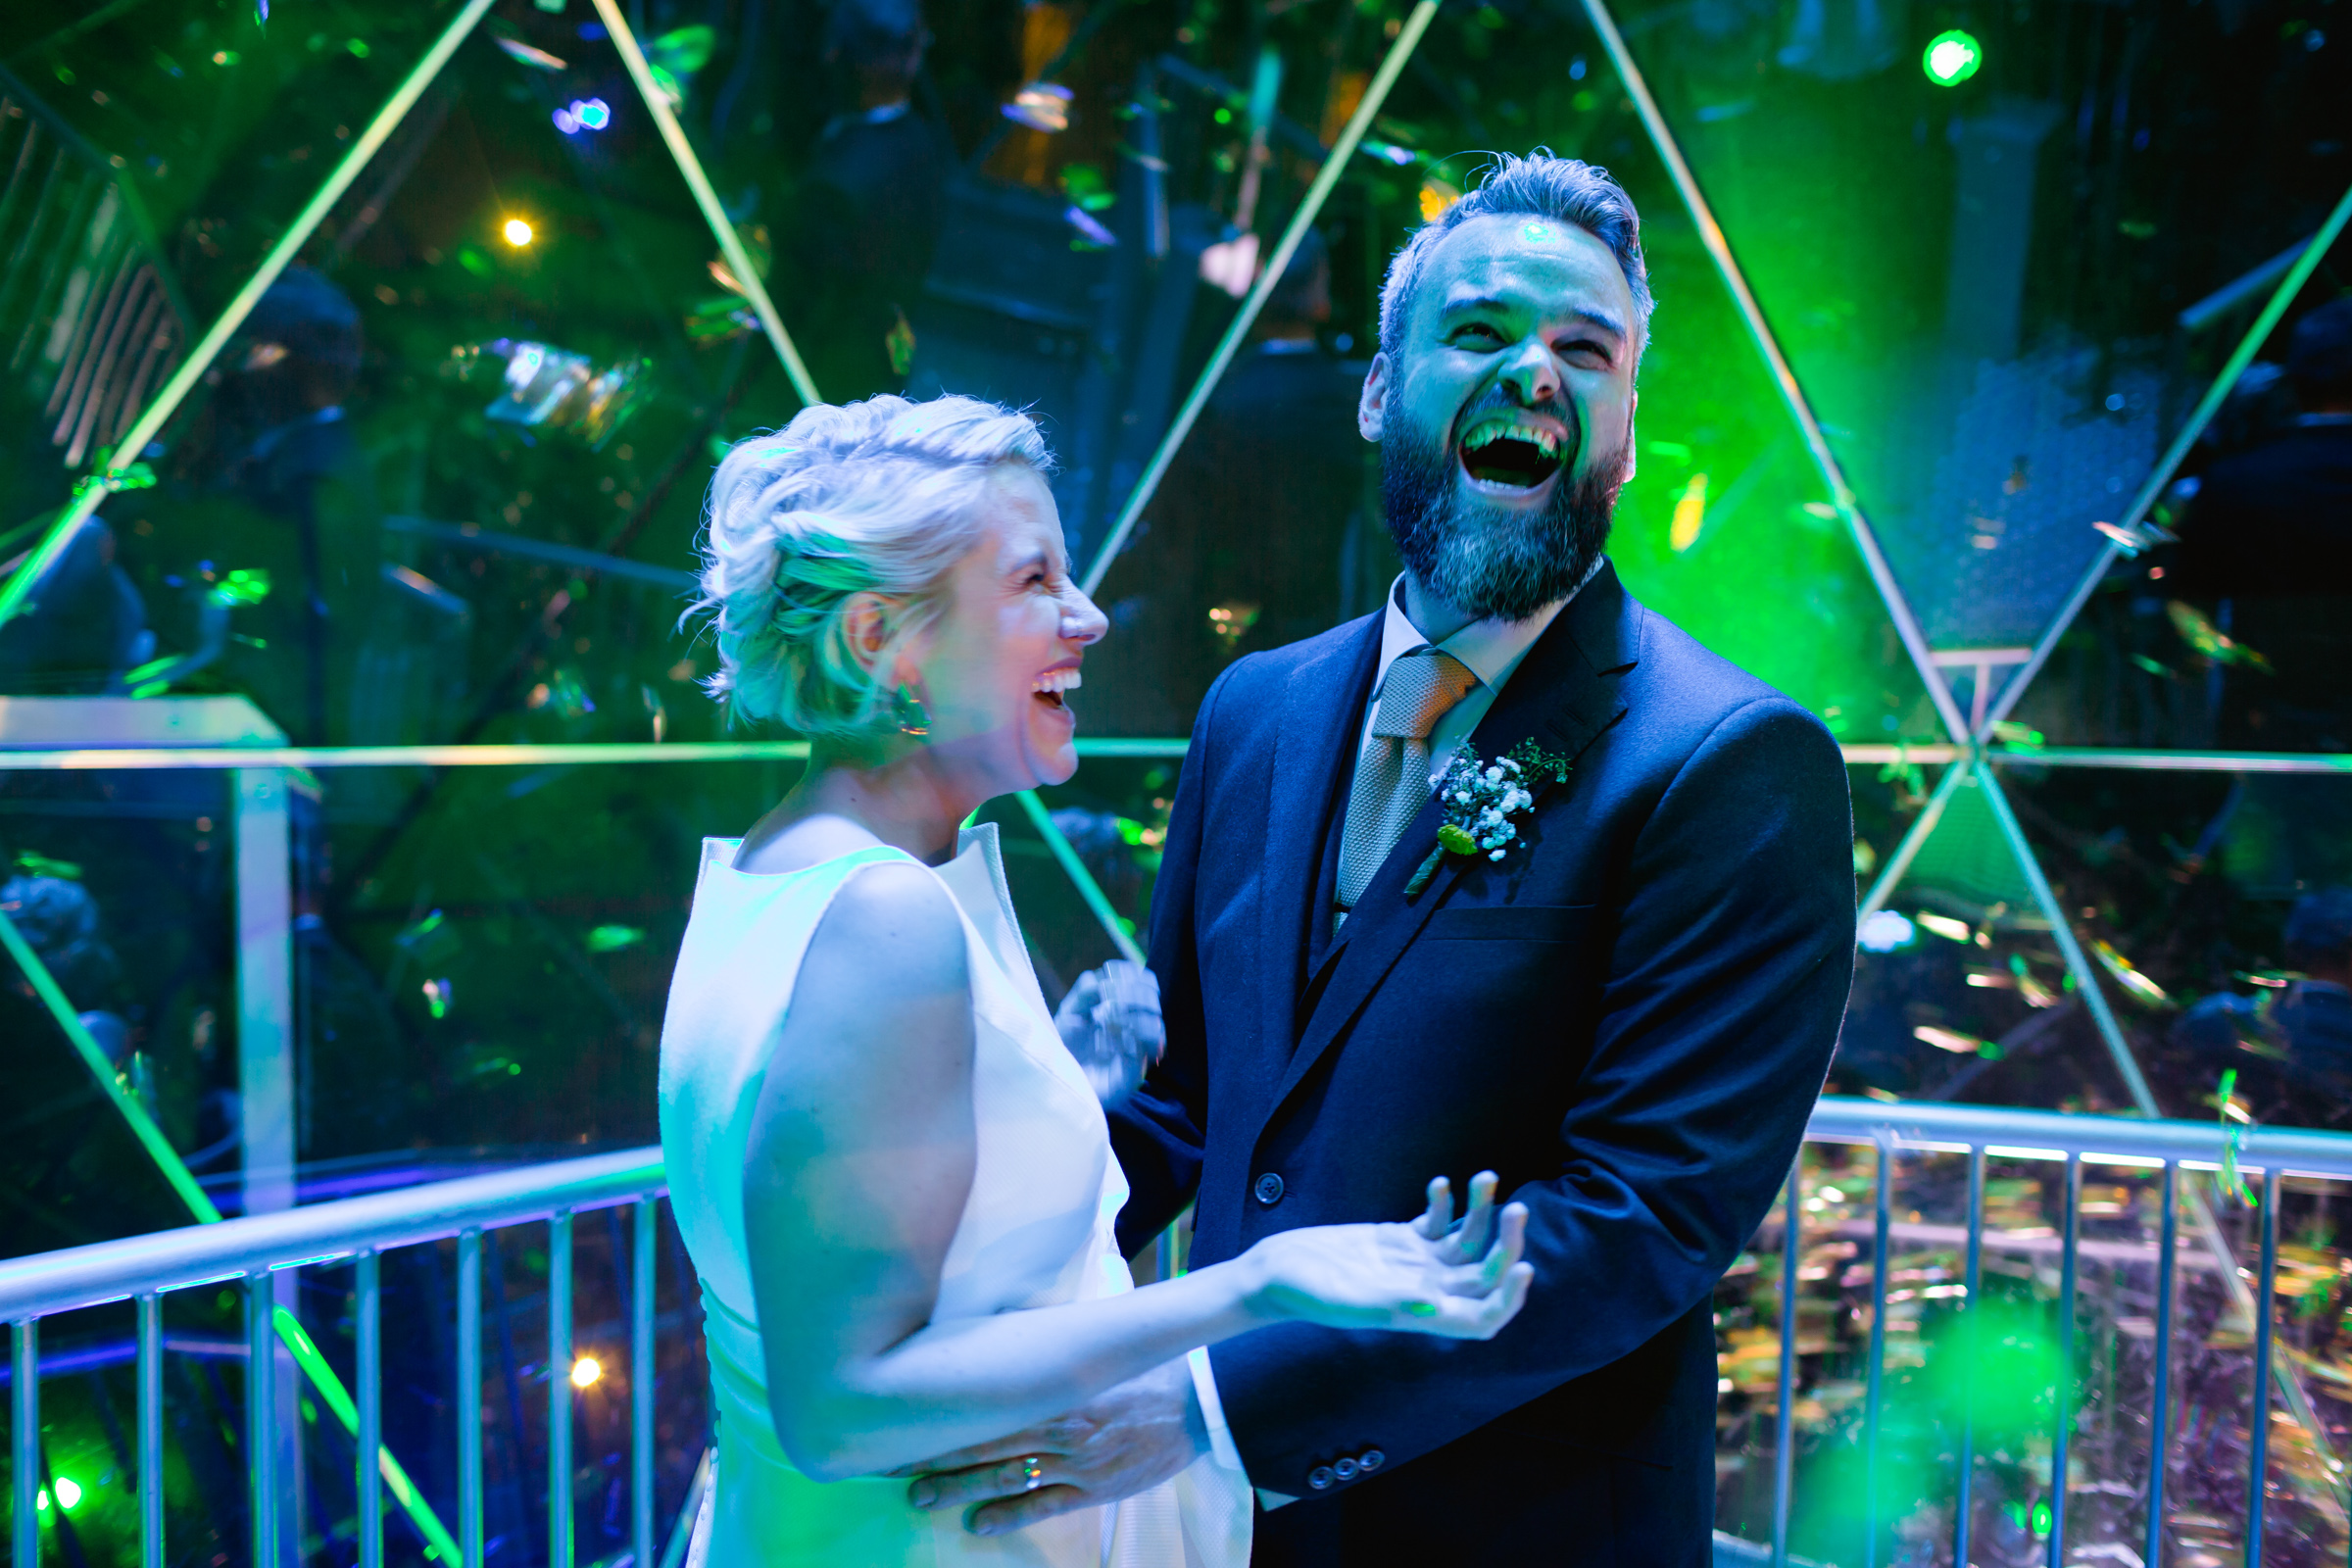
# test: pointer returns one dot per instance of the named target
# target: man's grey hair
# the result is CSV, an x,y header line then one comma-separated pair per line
x,y
1567,190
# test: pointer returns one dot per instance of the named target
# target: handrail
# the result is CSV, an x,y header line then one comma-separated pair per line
x,y
2196,1144
47,1283
595,754
2157,1147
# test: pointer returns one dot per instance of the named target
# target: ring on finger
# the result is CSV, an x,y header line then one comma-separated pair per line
x,y
1033,1472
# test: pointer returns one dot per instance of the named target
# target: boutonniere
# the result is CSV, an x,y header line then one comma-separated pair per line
x,y
1481,804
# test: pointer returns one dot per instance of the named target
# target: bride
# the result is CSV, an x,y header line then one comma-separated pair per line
x,y
891,1175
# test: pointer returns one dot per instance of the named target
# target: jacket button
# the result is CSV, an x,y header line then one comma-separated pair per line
x,y
1372,1460
1345,1469
1269,1189
1319,1478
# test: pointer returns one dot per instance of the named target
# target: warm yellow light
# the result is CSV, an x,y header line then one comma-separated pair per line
x,y
585,1371
1690,515
517,232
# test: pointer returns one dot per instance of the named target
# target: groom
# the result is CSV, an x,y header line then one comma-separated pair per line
x,y
1626,1011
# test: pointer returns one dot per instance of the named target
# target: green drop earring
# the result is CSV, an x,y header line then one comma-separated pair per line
x,y
908,712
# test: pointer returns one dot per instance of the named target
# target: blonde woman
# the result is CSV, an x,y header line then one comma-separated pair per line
x,y
892,1177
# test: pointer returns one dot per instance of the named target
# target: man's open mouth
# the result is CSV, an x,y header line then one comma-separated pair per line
x,y
1501,451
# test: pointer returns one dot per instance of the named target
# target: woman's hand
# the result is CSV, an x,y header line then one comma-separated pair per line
x,y
1426,1277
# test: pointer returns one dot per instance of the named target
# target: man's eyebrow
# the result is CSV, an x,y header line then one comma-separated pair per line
x,y
1491,303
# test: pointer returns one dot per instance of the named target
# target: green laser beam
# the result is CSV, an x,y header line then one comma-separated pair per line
x,y
93,490
314,1364
723,229
1080,878
2126,1066
93,1057
1784,376
1914,838
2207,406
1335,164
175,1172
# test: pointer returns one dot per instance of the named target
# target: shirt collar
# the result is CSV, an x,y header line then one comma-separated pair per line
x,y
1491,649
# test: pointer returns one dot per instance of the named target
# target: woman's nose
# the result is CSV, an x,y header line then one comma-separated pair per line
x,y
1081,622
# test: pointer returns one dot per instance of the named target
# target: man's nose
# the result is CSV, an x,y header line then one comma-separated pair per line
x,y
1532,372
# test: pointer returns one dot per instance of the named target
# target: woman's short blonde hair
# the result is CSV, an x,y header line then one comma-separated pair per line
x,y
876,496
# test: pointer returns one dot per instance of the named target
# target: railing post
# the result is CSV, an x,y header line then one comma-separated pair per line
x,y
641,1384
469,1397
368,1372
2159,1398
2062,1391
260,1414
151,1432
1972,1288
24,1443
2257,1448
1784,1458
1883,1193
558,1392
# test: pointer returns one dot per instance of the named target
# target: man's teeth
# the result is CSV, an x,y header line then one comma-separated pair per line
x,y
1490,431
1055,682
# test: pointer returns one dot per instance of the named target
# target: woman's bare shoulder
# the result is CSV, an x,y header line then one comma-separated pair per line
x,y
893,932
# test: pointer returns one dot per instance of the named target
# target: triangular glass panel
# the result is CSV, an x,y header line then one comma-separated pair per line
x,y
1979,271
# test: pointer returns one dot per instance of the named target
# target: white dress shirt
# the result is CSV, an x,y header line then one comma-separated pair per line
x,y
1491,649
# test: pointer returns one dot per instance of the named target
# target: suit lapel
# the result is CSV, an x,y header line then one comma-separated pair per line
x,y
1322,711
1563,695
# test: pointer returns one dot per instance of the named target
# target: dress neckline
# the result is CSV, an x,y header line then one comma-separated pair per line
x,y
726,863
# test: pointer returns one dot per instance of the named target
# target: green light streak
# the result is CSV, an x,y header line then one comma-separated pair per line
x,y
2126,1066
150,424
2283,296
175,1171
1842,495
1335,164
730,245
1080,878
307,1355
142,1125
1913,837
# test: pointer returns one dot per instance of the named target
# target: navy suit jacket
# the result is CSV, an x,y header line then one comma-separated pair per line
x,y
1628,1019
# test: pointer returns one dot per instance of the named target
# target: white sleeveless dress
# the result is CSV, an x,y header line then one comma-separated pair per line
x,y
1037,1230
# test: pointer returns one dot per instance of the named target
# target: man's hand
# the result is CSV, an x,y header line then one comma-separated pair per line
x,y
1111,1022
1130,1439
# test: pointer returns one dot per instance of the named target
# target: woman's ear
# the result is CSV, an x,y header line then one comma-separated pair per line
x,y
865,620
872,623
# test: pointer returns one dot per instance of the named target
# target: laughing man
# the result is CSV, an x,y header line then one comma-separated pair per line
x,y
1624,1005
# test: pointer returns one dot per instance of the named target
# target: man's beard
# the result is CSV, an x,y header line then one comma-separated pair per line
x,y
1488,560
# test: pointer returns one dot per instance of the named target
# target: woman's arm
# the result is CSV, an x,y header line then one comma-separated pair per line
x,y
861,1156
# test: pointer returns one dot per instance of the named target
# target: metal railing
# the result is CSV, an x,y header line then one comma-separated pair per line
x,y
355,1232
2159,1149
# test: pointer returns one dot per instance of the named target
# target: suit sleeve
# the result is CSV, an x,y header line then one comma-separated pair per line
x,y
1719,1014
1159,1132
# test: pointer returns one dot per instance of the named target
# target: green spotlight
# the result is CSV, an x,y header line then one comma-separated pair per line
x,y
1951,58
